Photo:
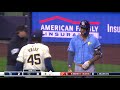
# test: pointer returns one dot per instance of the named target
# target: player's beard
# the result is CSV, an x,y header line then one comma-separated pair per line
x,y
85,34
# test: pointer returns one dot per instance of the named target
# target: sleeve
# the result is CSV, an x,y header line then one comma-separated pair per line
x,y
20,57
47,52
19,66
48,64
71,46
13,51
70,58
97,43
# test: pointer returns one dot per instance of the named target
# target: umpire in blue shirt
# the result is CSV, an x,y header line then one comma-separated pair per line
x,y
16,43
84,49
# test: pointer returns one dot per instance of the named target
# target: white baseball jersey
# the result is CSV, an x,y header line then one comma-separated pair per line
x,y
33,55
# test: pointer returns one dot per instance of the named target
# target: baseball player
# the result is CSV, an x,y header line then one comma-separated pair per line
x,y
34,56
84,49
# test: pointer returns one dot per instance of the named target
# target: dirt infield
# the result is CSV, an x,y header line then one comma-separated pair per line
x,y
59,52
3,50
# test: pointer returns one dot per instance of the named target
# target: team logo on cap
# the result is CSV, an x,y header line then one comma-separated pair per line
x,y
34,35
83,23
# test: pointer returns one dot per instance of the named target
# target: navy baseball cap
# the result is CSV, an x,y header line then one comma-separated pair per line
x,y
37,34
84,24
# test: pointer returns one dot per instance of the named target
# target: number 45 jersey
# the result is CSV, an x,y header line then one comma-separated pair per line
x,y
33,55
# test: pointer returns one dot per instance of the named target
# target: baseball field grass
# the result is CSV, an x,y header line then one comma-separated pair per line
x,y
60,66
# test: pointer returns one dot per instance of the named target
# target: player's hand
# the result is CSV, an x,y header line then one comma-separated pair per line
x,y
80,65
69,69
86,65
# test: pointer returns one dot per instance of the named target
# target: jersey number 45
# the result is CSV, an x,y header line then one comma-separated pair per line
x,y
34,59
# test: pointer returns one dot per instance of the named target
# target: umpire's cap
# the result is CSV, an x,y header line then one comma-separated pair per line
x,y
84,24
21,28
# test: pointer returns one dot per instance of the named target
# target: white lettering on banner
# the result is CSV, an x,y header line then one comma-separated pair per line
x,y
77,28
52,27
62,27
65,34
113,29
66,28
57,27
92,28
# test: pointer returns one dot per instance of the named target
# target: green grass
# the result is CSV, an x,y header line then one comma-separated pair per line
x,y
3,62
107,68
60,66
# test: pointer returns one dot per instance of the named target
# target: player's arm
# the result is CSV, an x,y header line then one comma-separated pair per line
x,y
97,54
13,50
70,60
20,60
48,64
97,51
71,54
19,66
47,59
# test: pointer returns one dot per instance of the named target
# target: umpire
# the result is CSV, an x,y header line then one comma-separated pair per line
x,y
16,43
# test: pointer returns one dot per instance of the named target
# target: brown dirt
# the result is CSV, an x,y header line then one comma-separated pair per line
x,y
59,52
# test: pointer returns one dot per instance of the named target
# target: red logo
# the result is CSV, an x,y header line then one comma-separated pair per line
x,y
64,19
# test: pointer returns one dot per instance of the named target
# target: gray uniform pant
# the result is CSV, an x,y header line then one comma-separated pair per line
x,y
90,69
